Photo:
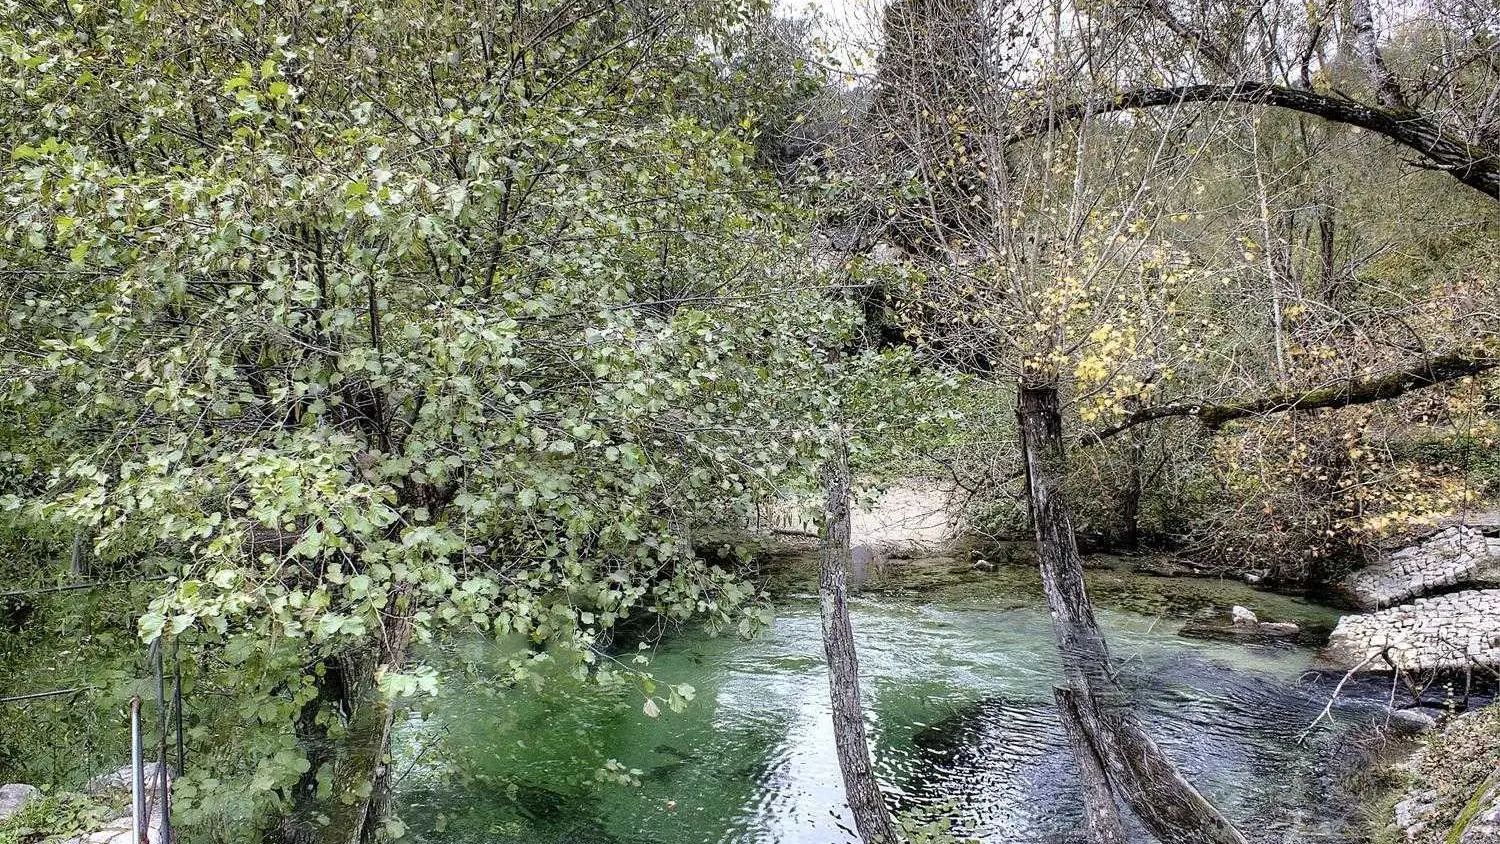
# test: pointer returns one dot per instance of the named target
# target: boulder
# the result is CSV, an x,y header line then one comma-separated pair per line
x,y
121,779
117,831
1414,814
120,830
1277,628
1411,721
912,517
1243,617
15,795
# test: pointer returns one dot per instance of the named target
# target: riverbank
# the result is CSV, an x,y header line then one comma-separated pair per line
x,y
1449,789
1009,581
1372,768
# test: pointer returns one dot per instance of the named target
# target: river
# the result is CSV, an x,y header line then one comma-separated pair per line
x,y
958,691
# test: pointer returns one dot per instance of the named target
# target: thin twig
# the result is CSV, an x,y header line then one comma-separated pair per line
x,y
1328,709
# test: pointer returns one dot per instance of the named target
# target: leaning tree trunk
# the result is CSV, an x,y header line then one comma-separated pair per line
x,y
1101,812
1135,770
866,803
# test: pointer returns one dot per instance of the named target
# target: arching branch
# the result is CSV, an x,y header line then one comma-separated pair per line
x,y
1477,167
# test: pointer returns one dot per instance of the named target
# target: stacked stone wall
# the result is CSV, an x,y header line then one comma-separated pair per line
x,y
1450,632
1452,556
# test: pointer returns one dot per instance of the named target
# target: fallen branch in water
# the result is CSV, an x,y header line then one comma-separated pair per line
x,y
1328,709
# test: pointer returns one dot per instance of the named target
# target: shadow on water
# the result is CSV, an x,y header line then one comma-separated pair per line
x,y
960,706
1241,738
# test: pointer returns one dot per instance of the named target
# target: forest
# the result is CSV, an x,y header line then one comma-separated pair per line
x,y
679,421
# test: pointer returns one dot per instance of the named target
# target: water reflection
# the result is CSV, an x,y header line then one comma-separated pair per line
x,y
960,704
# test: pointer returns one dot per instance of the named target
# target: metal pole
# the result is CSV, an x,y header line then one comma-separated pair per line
x,y
39,695
161,744
177,703
137,775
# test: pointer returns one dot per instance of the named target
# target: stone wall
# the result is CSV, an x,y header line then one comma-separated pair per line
x,y
1452,556
1447,632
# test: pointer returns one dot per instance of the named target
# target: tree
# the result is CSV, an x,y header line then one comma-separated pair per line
x,y
1434,110
866,803
366,323
1089,287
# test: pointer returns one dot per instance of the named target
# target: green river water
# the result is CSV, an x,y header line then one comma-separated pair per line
x,y
958,679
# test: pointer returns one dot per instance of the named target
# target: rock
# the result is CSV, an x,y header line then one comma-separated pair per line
x,y
912,517
121,779
1412,814
1483,826
1241,624
1411,721
117,831
1278,628
1452,632
888,253
1453,556
1168,567
15,795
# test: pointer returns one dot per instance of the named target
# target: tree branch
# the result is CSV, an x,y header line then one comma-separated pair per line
x,y
1425,373
1476,167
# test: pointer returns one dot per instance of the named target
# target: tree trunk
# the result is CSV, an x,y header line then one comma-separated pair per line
x,y
358,760
866,803
1130,501
1101,813
1135,769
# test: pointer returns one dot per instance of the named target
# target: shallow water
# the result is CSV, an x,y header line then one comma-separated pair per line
x,y
959,702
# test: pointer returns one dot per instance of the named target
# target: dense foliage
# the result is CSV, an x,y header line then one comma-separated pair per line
x,y
358,322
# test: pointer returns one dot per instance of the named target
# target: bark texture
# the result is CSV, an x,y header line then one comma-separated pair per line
x,y
1413,376
1477,167
1101,812
871,817
358,759
1135,770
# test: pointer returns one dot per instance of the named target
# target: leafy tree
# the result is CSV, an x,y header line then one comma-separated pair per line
x,y
364,322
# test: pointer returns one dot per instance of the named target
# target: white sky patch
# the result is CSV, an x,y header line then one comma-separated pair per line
x,y
849,29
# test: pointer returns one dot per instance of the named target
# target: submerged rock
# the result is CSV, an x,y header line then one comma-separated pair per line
x,y
1169,567
1241,623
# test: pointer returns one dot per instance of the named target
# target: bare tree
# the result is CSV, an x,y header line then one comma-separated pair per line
x,y
1018,248
866,804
